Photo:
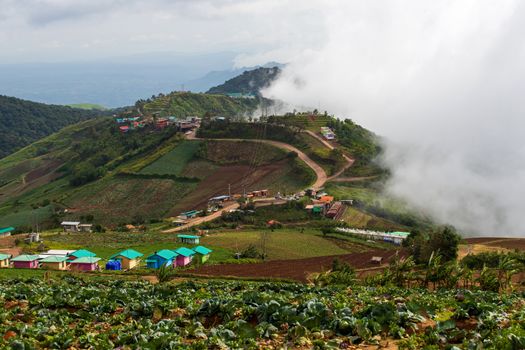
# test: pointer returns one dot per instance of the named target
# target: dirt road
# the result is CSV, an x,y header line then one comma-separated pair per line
x,y
321,177
201,219
349,161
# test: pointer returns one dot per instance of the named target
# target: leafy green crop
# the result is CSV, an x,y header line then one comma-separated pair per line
x,y
100,314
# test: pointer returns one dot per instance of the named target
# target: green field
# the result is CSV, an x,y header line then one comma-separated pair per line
x,y
119,200
173,162
280,244
88,106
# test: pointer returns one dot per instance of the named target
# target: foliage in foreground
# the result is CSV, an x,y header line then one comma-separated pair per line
x,y
108,314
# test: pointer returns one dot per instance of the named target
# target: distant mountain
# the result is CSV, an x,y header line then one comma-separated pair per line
x,y
24,122
249,82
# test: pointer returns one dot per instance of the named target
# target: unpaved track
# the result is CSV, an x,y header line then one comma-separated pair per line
x,y
349,161
320,174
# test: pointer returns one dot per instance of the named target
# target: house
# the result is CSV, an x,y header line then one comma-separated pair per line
x,y
128,258
164,257
189,239
161,123
5,260
184,256
124,129
32,237
189,214
81,253
55,263
335,211
202,253
86,263
6,231
85,228
70,226
326,199
25,261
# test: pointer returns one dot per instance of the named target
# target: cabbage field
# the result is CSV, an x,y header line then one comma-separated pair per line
x,y
78,313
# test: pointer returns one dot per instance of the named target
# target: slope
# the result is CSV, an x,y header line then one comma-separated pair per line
x,y
23,122
249,82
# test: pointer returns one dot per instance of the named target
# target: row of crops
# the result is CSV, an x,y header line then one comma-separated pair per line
x,y
106,314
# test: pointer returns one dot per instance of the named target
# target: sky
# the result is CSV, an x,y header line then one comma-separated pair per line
x,y
73,30
440,81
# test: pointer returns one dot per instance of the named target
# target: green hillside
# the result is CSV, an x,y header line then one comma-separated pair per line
x,y
249,82
88,106
24,122
92,170
190,104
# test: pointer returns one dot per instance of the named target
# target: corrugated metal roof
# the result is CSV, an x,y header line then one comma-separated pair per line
x,y
184,251
202,250
86,260
4,256
165,254
128,253
54,259
81,253
188,236
7,229
70,223
25,257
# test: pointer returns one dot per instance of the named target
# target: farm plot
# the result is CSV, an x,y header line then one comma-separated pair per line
x,y
119,200
296,269
173,162
280,244
116,314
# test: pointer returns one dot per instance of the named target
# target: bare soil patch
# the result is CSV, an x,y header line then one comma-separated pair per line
x,y
297,269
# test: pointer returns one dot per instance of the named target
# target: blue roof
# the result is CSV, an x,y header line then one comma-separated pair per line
x,y
202,250
7,229
188,236
184,251
165,254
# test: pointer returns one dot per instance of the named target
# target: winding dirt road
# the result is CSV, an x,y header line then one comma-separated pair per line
x,y
321,177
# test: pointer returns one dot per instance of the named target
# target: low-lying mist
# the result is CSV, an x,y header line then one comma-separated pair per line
x,y
443,83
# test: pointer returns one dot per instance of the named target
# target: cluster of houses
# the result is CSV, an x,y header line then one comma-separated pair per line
x,y
127,124
84,260
323,204
327,133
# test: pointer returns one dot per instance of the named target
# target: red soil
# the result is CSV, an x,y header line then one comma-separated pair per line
x,y
297,269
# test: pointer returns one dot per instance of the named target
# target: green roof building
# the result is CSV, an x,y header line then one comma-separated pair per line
x,y
128,258
202,253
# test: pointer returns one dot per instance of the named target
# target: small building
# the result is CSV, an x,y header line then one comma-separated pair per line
x,y
25,261
70,226
85,228
202,253
326,199
124,129
161,123
189,239
81,253
55,263
184,256
32,237
164,257
5,260
6,231
87,263
335,211
128,258
189,214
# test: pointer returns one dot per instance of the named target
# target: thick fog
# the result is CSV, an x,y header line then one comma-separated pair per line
x,y
443,82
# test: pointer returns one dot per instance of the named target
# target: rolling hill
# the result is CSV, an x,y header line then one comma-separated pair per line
x,y
249,82
23,122
93,170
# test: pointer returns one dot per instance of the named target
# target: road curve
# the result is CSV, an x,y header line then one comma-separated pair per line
x,y
349,161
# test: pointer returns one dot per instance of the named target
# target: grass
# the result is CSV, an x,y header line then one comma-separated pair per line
x,y
109,243
119,200
173,162
280,244
88,106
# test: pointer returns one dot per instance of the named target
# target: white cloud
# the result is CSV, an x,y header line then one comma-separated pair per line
x,y
442,81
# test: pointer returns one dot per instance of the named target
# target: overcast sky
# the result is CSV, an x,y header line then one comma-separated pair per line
x,y
441,81
72,30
